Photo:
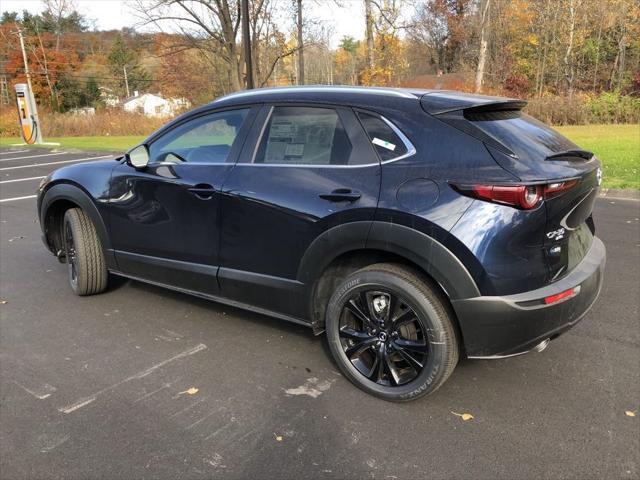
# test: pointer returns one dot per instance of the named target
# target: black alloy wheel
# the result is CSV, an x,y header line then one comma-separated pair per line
x,y
383,337
392,332
70,254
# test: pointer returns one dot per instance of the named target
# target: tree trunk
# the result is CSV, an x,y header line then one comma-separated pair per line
x,y
595,70
568,59
369,21
300,45
482,56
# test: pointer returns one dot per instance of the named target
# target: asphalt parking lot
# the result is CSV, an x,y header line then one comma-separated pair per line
x,y
141,382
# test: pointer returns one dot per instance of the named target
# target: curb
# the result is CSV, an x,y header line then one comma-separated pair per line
x,y
620,193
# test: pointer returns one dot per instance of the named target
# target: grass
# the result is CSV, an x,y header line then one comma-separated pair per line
x,y
101,144
617,147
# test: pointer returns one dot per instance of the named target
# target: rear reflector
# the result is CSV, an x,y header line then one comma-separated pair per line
x,y
561,296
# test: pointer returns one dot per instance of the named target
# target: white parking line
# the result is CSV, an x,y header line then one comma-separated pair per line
x,y
56,163
13,151
21,179
17,198
31,156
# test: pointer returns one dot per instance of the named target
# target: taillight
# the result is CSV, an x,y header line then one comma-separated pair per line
x,y
525,197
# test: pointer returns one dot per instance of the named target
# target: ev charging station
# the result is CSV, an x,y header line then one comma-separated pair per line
x,y
28,115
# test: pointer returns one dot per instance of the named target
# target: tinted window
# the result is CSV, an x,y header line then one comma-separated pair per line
x,y
524,135
384,139
304,136
205,139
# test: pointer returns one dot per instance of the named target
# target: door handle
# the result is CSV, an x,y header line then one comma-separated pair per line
x,y
341,195
202,191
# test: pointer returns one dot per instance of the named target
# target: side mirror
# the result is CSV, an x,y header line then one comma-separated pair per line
x,y
138,157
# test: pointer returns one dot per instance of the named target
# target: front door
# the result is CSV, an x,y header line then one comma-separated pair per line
x,y
304,170
164,218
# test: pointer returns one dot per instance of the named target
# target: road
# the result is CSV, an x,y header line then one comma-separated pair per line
x,y
140,382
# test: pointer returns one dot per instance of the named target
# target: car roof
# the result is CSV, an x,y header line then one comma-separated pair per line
x,y
321,92
433,101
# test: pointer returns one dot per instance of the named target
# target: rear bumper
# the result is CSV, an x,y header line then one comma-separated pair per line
x,y
514,324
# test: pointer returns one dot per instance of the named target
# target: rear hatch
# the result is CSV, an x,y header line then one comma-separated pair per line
x,y
535,154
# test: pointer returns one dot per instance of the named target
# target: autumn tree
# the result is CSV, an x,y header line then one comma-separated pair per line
x,y
127,73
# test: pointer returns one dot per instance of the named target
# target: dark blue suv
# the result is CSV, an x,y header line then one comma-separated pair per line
x,y
414,227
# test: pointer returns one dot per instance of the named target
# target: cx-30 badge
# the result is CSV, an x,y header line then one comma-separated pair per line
x,y
556,234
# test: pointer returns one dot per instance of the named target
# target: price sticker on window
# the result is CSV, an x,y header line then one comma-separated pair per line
x,y
383,143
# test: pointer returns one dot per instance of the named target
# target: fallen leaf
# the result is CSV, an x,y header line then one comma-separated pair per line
x,y
191,391
629,413
463,416
279,438
3,302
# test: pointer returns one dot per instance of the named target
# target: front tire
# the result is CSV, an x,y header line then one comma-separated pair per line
x,y
391,332
87,269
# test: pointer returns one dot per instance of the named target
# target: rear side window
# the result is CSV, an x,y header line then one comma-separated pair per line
x,y
386,142
523,135
304,136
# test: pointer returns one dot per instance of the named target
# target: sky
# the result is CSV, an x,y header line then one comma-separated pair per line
x,y
115,14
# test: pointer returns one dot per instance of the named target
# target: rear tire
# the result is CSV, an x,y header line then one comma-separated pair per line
x,y
391,332
87,268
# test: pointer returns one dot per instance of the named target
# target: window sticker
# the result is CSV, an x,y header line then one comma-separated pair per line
x,y
294,150
303,139
383,143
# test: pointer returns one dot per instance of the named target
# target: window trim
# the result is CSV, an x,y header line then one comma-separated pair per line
x,y
411,150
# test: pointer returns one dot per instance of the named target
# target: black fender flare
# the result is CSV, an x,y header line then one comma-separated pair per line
x,y
417,247
75,194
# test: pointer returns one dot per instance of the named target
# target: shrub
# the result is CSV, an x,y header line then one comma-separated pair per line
x,y
607,107
104,122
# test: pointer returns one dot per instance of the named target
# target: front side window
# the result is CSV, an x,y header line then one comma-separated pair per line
x,y
386,142
206,139
304,136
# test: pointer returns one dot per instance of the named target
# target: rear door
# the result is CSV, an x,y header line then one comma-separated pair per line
x,y
304,170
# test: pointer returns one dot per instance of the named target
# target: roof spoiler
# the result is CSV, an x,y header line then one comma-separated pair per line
x,y
438,103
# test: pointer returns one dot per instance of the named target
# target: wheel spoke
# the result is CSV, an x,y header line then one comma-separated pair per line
x,y
394,378
367,306
377,369
415,364
353,307
391,307
404,318
412,346
358,348
351,334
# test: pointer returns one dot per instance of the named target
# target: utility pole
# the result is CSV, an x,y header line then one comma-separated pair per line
x,y
31,97
4,91
24,57
126,80
246,40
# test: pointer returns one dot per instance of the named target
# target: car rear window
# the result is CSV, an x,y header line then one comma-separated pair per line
x,y
386,142
522,134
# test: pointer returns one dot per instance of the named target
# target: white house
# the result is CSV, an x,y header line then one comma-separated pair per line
x,y
152,105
